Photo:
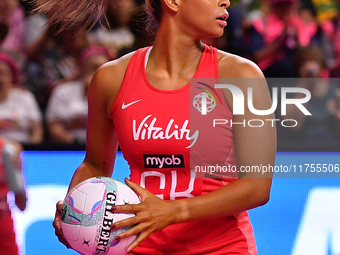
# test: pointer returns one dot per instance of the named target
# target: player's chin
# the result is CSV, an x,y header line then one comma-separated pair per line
x,y
221,31
217,32
211,34
220,34
214,35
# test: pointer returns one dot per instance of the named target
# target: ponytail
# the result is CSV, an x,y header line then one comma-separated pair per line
x,y
72,13
154,10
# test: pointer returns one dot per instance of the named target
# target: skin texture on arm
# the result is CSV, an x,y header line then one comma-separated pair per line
x,y
254,146
101,141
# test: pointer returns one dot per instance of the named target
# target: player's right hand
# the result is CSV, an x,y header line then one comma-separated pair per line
x,y
57,225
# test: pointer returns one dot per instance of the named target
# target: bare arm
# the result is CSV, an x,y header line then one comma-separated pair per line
x,y
101,141
254,146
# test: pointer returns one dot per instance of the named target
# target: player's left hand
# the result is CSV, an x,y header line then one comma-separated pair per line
x,y
152,215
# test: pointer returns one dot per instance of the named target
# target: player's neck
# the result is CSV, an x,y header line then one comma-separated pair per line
x,y
176,54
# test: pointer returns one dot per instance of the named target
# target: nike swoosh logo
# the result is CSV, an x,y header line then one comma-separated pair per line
x,y
124,106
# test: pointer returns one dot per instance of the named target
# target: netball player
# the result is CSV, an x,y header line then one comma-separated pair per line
x,y
10,180
148,90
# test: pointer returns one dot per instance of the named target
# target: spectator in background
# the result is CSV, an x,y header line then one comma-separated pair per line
x,y
326,14
10,180
336,23
37,25
240,21
310,66
334,109
20,118
66,113
263,9
142,33
325,9
274,39
329,39
54,60
12,14
3,31
115,33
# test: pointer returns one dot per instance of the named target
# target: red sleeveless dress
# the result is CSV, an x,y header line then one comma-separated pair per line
x,y
161,136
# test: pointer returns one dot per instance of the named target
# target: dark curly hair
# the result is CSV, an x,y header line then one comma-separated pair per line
x,y
154,10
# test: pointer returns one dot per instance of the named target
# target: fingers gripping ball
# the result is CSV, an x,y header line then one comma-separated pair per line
x,y
86,216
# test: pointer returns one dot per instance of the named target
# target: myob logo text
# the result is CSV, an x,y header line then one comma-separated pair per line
x,y
163,161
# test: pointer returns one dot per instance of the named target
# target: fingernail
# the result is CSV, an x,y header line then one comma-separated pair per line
x,y
113,208
117,237
113,226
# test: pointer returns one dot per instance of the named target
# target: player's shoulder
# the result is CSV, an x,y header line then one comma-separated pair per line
x,y
233,66
114,70
242,73
109,77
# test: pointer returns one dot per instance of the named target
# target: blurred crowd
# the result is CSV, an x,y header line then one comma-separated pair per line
x,y
45,73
